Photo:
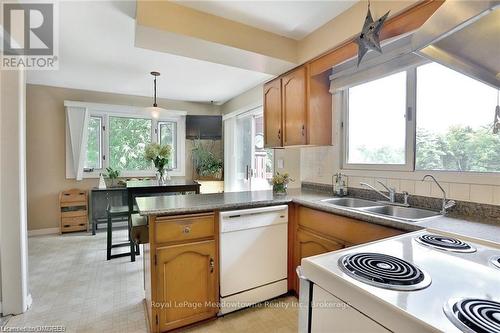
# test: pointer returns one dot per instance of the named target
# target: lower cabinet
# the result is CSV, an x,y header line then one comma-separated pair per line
x,y
186,289
181,270
309,244
316,232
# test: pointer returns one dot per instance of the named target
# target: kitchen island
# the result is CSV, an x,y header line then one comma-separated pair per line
x,y
182,256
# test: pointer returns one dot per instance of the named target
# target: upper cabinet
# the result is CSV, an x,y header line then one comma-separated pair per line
x,y
272,114
294,107
297,110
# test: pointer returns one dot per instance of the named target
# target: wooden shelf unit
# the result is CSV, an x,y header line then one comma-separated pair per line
x,y
73,207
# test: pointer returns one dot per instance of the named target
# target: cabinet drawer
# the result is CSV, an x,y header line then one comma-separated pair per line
x,y
74,221
74,213
179,228
73,196
343,228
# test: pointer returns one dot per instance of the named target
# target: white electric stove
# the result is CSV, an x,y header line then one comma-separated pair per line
x,y
425,281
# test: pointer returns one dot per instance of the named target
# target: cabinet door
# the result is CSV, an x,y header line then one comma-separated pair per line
x,y
293,86
272,114
309,244
186,284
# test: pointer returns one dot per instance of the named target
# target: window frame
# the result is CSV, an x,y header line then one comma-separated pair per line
x,y
410,122
180,126
409,170
101,141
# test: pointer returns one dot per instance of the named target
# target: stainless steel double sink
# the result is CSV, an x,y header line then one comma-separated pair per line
x,y
380,208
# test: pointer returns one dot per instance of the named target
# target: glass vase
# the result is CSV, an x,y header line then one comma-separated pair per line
x,y
160,177
280,189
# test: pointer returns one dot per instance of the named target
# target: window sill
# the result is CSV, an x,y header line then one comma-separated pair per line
x,y
132,174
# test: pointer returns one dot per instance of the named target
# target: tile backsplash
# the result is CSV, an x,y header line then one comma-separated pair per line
x,y
318,164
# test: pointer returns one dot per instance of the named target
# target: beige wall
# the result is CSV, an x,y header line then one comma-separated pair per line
x,y
46,144
249,98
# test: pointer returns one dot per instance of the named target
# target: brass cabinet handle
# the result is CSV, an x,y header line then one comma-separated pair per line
x,y
303,130
212,265
279,134
186,230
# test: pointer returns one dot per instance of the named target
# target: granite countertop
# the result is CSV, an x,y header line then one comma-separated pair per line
x,y
197,203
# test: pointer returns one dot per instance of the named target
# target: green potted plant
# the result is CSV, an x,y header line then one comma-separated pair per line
x,y
280,183
112,174
206,164
160,156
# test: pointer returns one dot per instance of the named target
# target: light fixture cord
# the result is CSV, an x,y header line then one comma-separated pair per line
x,y
154,104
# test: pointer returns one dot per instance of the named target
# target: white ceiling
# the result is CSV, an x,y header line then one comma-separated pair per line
x,y
96,49
96,52
293,19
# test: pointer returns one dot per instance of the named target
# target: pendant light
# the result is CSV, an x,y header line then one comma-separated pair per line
x,y
155,110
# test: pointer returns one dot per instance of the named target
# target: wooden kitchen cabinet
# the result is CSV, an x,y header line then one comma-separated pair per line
x,y
309,244
297,110
273,136
294,107
186,277
316,232
181,270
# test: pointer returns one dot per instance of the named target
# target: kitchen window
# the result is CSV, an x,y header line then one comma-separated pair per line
x,y
425,117
94,144
167,134
454,122
127,139
118,140
378,123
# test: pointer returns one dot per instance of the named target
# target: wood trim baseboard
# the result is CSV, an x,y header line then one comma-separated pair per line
x,y
45,231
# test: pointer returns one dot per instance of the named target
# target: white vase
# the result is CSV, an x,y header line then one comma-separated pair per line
x,y
102,183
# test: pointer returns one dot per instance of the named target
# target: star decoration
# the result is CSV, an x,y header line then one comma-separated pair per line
x,y
368,39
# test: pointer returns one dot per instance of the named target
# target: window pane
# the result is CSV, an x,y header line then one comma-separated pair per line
x,y
262,159
455,122
93,159
127,139
168,135
377,125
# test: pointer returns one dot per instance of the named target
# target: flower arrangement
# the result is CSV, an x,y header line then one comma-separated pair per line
x,y
159,155
280,182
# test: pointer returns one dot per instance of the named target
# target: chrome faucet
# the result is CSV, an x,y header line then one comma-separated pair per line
x,y
447,204
392,191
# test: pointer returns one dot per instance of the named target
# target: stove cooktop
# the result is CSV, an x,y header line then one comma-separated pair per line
x,y
473,315
384,271
403,281
495,261
445,243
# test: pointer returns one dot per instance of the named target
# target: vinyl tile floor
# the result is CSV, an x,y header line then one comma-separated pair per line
x,y
73,286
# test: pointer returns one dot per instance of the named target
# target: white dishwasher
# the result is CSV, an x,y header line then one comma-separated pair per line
x,y
253,256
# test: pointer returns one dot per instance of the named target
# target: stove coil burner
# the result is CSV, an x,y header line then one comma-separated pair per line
x,y
472,315
445,243
384,271
495,261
